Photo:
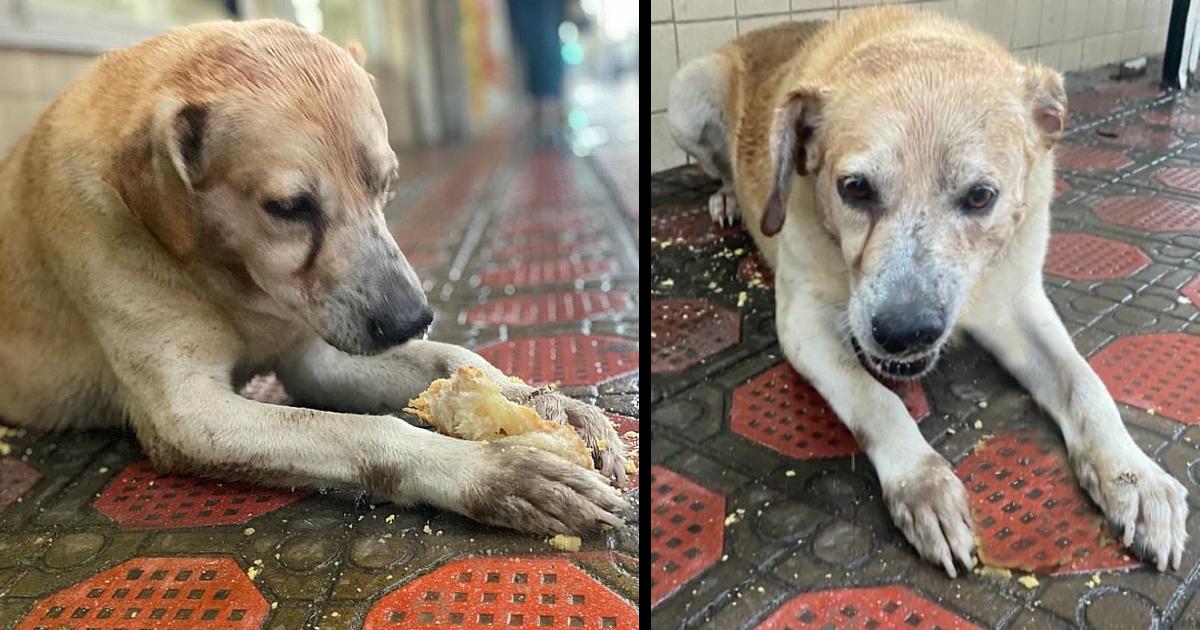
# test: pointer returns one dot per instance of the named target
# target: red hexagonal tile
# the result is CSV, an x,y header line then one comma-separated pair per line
x,y
495,592
630,432
1191,291
200,593
869,607
1073,157
688,331
1029,510
1173,118
140,498
755,271
543,248
687,224
567,360
1152,214
1087,257
16,478
1181,177
544,225
547,272
549,308
1157,371
1061,187
1138,136
782,411
687,531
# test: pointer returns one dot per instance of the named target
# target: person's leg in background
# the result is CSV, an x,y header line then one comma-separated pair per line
x,y
535,33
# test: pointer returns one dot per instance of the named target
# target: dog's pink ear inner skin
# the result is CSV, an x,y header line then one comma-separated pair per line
x,y
1047,101
157,169
791,137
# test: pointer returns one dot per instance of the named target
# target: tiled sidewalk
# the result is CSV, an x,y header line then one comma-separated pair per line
x,y
765,514
527,258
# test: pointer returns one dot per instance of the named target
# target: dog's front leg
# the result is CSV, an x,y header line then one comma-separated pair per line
x,y
1027,336
926,500
316,374
204,428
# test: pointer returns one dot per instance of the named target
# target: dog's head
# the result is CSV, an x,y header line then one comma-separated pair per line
x,y
266,158
920,173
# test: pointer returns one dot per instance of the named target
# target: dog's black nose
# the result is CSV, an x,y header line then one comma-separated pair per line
x,y
394,328
907,331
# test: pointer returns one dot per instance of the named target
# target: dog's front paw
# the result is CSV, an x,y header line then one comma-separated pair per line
x,y
596,429
1148,506
929,504
723,207
534,491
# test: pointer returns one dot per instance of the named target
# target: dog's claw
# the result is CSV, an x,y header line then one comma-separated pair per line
x,y
1148,505
591,424
723,207
929,505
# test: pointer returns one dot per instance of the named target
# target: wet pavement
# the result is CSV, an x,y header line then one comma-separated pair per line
x,y
766,515
529,258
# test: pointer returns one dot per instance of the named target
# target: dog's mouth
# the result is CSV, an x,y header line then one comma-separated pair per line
x,y
899,368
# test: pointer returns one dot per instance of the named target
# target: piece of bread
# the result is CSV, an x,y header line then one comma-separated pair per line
x,y
469,405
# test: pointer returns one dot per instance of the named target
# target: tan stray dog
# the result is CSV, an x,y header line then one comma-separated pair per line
x,y
912,158
206,206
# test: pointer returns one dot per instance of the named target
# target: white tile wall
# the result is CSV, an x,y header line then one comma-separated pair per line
x,y
1065,34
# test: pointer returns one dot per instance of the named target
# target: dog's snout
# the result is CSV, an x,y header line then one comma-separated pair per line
x,y
907,330
390,328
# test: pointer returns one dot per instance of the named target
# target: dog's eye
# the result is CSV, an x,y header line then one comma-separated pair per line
x,y
298,208
979,198
855,190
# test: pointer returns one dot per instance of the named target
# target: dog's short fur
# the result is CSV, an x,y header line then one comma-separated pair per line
x,y
206,206
912,159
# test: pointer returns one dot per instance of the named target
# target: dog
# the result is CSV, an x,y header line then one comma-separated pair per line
x,y
206,206
896,169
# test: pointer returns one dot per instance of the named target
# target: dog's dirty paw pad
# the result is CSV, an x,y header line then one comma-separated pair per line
x,y
929,505
540,493
723,207
1147,505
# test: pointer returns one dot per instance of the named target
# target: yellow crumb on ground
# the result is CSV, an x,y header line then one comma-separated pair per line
x,y
995,573
1028,581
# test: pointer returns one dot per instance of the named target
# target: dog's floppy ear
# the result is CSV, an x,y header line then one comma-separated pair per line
x,y
792,134
156,172
1047,102
357,51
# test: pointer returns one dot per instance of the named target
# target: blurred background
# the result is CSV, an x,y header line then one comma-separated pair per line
x,y
449,71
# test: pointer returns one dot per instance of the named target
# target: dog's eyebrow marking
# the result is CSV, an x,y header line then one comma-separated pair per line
x,y
367,172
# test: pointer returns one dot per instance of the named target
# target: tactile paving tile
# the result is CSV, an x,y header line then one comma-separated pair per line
x,y
688,331
870,608
497,592
1138,136
1173,118
192,593
547,272
1152,214
140,498
266,388
1191,291
549,308
1157,371
755,271
566,360
1073,157
687,225
1087,257
16,478
630,431
687,531
1181,177
782,411
1029,510
543,248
